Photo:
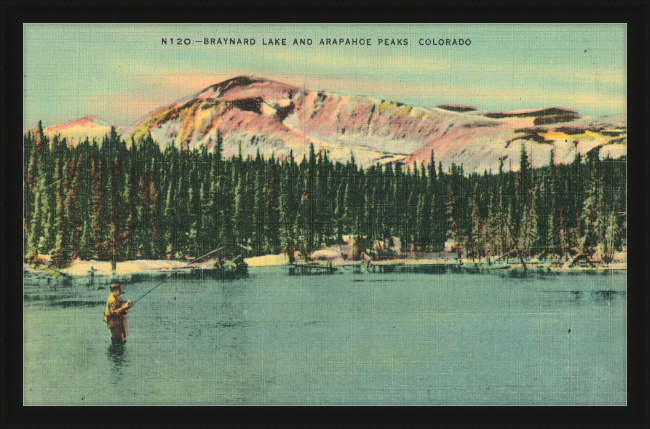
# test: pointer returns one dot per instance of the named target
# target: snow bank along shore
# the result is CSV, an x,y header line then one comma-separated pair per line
x,y
163,266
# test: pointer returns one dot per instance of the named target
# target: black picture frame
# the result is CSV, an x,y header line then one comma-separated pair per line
x,y
634,14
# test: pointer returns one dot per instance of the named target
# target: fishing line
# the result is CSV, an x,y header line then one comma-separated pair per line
x,y
173,274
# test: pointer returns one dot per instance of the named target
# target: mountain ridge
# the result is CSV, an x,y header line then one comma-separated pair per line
x,y
276,118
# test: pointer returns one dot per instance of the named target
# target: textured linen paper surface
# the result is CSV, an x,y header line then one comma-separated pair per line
x,y
325,214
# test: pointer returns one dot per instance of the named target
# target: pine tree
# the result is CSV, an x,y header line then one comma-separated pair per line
x,y
260,207
360,199
131,203
455,229
72,203
439,216
158,246
272,226
308,202
561,238
35,241
609,244
142,243
604,206
493,234
286,208
115,233
576,200
183,216
86,246
170,221
328,201
547,207
215,202
349,221
339,211
227,210
61,253
378,200
212,206
368,215
433,177
240,216
206,235
303,226
528,235
49,196
475,236
86,155
194,213
29,184
423,221
29,201
558,229
398,204
98,211
589,220
410,232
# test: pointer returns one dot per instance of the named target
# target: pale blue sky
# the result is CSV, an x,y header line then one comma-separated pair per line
x,y
121,72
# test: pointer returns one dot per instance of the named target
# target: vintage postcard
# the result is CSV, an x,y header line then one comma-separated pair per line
x,y
372,214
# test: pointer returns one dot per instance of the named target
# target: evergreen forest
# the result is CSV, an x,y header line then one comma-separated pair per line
x,y
109,200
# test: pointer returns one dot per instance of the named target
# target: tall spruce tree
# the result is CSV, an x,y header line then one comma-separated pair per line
x,y
272,225
169,219
73,208
158,244
475,236
98,221
183,216
35,239
260,207
143,244
226,209
29,182
131,203
589,221
439,218
455,226
115,229
492,241
528,235
61,253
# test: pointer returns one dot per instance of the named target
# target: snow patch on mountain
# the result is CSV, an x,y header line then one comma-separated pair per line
x,y
271,117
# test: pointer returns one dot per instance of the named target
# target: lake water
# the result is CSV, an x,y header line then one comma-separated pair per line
x,y
346,338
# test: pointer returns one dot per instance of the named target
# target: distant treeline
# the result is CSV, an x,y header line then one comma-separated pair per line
x,y
108,201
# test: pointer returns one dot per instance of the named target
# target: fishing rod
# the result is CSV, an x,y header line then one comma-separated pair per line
x,y
173,274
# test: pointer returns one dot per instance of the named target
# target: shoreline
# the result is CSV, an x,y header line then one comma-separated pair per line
x,y
160,267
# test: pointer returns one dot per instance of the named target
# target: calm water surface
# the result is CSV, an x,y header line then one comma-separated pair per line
x,y
346,338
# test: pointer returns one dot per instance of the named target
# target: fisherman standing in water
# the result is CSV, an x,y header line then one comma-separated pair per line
x,y
116,313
